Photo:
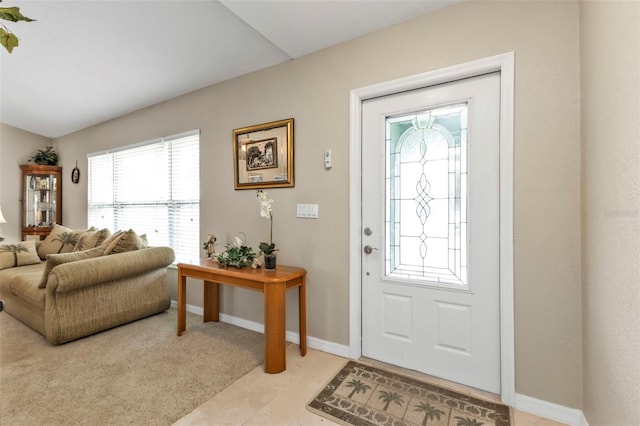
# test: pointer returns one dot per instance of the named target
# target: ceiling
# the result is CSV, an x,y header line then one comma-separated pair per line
x,y
84,62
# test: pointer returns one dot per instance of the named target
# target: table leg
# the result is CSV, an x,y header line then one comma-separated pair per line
x,y
274,327
182,303
302,312
211,302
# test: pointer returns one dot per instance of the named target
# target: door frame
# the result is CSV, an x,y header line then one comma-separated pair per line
x,y
504,64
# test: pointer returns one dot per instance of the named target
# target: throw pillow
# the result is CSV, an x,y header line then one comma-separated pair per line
x,y
18,254
111,238
92,238
54,260
60,240
127,241
82,235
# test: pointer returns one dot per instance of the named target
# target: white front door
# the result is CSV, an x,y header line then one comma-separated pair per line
x,y
430,223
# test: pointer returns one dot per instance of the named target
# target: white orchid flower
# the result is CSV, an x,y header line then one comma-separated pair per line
x,y
265,204
265,210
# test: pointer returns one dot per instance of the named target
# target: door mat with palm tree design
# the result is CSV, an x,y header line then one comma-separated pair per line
x,y
363,395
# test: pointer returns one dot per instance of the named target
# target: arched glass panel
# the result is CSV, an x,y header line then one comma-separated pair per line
x,y
426,196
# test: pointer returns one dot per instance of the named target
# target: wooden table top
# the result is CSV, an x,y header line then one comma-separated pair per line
x,y
280,274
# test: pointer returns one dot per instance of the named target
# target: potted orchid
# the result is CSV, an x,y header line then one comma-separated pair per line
x,y
267,249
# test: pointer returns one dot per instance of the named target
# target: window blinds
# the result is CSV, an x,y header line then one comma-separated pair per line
x,y
152,188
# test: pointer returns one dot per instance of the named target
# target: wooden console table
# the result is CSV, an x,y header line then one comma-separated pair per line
x,y
273,284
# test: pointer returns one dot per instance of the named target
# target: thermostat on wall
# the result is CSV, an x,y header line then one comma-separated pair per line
x,y
327,158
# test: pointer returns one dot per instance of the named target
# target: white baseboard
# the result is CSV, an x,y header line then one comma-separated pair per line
x,y
312,342
537,407
549,410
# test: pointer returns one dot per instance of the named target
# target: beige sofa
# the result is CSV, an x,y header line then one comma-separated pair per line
x,y
86,296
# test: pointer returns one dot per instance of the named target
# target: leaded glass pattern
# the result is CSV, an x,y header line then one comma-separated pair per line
x,y
426,196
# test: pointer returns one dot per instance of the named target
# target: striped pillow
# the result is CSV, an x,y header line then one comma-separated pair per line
x,y
92,238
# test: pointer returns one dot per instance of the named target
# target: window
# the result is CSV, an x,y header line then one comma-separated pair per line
x,y
426,196
152,188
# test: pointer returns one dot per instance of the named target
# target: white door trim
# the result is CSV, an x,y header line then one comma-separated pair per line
x,y
503,63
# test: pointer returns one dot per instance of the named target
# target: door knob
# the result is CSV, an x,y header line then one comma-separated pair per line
x,y
368,249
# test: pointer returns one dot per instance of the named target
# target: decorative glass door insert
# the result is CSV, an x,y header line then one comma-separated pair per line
x,y
426,197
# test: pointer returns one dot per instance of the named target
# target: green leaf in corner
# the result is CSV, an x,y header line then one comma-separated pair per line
x,y
8,40
13,14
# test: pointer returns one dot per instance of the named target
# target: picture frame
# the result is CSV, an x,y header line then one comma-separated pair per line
x,y
263,155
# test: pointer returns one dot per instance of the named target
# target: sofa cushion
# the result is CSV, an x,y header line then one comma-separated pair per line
x,y
127,241
91,238
60,240
18,254
54,260
26,287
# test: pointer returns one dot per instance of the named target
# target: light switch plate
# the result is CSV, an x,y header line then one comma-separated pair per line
x,y
307,211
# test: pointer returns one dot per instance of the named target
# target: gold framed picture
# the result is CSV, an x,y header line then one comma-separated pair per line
x,y
263,155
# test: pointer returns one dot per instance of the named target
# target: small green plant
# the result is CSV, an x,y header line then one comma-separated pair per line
x,y
237,255
46,156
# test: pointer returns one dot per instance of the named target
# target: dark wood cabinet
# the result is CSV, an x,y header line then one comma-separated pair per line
x,y
41,199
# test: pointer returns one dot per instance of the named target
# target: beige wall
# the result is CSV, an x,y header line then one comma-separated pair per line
x,y
16,147
314,90
610,59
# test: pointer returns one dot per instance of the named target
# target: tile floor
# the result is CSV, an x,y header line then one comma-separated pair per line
x,y
280,399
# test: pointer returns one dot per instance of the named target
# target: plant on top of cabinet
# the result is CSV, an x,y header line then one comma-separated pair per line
x,y
46,156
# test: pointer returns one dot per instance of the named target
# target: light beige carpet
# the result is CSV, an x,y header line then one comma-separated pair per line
x,y
141,373
363,395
